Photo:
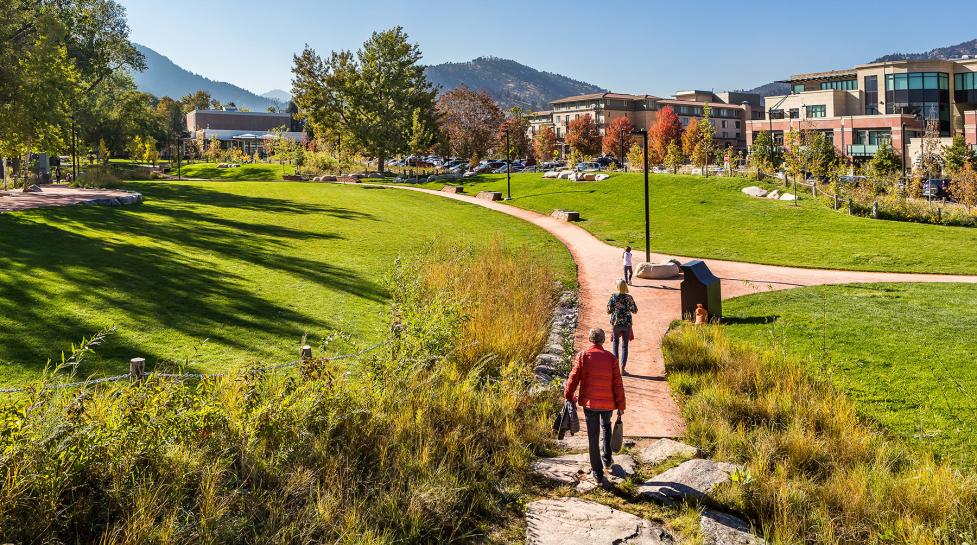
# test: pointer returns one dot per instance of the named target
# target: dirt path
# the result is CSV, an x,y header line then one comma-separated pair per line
x,y
651,410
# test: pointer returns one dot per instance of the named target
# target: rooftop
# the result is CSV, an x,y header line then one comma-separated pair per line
x,y
593,96
830,74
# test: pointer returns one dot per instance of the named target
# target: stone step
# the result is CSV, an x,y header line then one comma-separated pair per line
x,y
663,449
724,529
692,479
572,521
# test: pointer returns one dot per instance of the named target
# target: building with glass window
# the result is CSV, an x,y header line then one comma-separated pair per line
x,y
871,104
728,112
234,128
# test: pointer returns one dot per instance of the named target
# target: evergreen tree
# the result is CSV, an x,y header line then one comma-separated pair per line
x,y
958,154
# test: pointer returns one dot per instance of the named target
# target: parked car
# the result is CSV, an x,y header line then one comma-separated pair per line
x,y
936,189
588,166
851,180
605,162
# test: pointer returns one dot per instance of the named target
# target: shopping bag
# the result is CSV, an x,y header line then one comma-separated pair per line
x,y
617,435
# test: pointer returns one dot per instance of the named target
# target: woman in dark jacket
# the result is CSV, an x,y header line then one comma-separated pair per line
x,y
621,306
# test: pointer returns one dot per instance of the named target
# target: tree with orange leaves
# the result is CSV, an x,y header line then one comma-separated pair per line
x,y
619,130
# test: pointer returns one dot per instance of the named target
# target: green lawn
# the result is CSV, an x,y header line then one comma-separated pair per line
x,y
904,352
245,172
249,266
699,217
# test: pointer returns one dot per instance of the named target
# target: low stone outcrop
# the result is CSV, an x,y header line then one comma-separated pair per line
x,y
489,195
133,198
570,468
566,174
658,271
453,189
693,479
572,521
663,449
773,194
566,215
755,191
788,197
723,529
551,174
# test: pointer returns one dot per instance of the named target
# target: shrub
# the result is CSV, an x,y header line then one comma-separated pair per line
x,y
97,177
413,444
815,472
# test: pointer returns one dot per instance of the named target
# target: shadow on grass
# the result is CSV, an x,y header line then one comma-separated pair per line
x,y
750,320
56,277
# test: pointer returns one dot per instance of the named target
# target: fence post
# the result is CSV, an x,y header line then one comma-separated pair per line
x,y
814,189
137,369
849,206
875,210
836,202
306,353
939,214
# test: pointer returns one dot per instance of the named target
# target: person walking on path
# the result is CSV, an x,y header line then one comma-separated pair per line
x,y
598,377
621,306
628,269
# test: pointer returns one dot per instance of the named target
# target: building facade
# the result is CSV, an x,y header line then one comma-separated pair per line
x,y
245,130
869,105
729,112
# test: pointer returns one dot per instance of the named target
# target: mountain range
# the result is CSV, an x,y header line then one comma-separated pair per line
x,y
508,82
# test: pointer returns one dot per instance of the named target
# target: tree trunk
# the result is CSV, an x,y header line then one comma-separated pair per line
x,y
5,171
27,166
381,161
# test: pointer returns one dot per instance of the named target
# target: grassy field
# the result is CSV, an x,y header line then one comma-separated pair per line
x,y
248,267
903,352
694,216
246,172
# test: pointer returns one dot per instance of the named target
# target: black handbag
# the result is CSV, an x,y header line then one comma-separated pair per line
x,y
617,435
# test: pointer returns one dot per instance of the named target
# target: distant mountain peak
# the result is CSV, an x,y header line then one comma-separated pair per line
x,y
163,77
278,95
949,52
509,82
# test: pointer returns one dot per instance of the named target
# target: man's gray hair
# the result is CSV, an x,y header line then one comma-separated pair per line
x,y
596,335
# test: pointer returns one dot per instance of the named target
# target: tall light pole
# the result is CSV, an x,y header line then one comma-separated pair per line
x,y
644,135
508,167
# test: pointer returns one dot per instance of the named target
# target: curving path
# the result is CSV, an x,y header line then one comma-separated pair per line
x,y
652,412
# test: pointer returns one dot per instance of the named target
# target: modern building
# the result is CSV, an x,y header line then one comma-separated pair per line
x,y
886,102
245,130
729,112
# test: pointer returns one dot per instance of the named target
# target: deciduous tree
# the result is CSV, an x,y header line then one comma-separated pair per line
x,y
763,154
704,146
666,130
583,137
673,156
963,185
369,97
884,162
690,137
198,100
470,120
518,126
636,157
618,134
958,154
544,143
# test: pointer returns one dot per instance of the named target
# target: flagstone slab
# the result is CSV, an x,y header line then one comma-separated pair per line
x,y
573,521
663,449
724,529
692,479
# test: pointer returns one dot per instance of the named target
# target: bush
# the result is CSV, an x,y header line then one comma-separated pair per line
x,y
815,472
414,444
97,177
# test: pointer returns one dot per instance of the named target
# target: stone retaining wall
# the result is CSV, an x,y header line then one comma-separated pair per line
x,y
553,363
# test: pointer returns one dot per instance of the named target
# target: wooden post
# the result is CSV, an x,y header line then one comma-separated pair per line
x,y
306,353
875,210
939,214
836,202
137,369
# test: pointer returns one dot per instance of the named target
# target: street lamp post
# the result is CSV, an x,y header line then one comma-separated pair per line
x,y
508,167
644,135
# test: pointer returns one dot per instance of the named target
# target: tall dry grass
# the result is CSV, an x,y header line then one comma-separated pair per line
x,y
816,473
423,443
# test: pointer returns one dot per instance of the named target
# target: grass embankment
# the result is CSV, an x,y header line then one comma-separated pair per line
x,y
903,352
250,267
424,442
711,218
245,172
816,473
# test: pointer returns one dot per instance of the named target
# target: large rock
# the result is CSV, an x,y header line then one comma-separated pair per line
x,y
572,521
657,271
788,197
489,195
566,174
755,191
693,479
551,174
566,215
773,194
601,177
723,529
663,449
569,469
453,189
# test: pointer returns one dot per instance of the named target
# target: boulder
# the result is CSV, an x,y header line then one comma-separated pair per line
x,y
489,195
657,271
773,194
453,189
788,197
693,479
573,521
755,191
566,174
663,449
566,215
601,177
34,188
570,469
586,177
723,529
551,174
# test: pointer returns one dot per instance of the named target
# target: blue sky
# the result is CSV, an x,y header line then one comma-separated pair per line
x,y
638,46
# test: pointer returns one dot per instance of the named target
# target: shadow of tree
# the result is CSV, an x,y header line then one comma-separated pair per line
x,y
155,263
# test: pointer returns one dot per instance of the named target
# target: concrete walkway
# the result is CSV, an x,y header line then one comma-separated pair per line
x,y
652,412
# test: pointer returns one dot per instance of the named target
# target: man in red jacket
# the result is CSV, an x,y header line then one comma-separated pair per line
x,y
598,375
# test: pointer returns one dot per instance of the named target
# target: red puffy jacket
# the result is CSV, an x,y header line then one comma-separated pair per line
x,y
599,377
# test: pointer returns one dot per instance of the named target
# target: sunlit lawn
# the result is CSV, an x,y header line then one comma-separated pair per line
x,y
699,217
248,267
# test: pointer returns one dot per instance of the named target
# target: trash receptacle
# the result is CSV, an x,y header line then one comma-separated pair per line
x,y
700,286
